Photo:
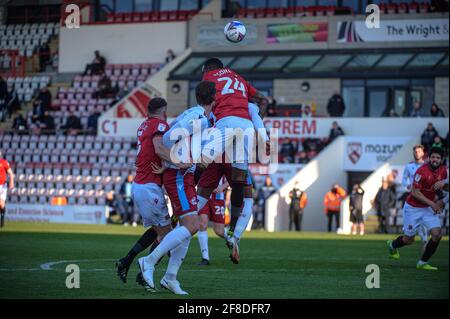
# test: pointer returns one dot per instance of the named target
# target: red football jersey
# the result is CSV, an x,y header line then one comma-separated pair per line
x,y
146,151
4,167
233,93
424,179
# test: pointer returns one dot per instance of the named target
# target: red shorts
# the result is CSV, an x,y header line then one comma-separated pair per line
x,y
213,173
181,190
215,209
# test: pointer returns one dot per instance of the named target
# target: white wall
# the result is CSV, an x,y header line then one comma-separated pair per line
x,y
372,184
120,43
316,179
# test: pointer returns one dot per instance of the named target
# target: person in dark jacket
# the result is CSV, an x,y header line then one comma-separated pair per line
x,y
97,66
336,106
299,201
428,136
92,122
42,102
435,111
73,124
129,214
356,209
384,203
20,124
335,132
47,123
263,194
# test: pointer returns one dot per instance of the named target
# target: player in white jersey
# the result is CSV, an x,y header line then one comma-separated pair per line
x,y
180,187
211,177
408,180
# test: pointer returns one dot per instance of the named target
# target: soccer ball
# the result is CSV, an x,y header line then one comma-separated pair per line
x,y
235,31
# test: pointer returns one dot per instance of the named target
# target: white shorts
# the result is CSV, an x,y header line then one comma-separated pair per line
x,y
3,192
243,144
151,204
414,217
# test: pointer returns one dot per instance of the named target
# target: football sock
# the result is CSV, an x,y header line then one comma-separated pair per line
x,y
144,241
203,242
2,213
172,240
154,245
398,243
430,249
177,256
201,202
243,220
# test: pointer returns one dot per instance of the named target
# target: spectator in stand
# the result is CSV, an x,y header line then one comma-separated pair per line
x,y
97,66
92,122
104,88
42,102
170,56
416,110
335,132
263,194
302,158
3,97
129,214
44,56
336,106
73,124
392,113
306,112
114,207
435,111
12,103
356,210
437,142
47,123
20,124
384,203
332,205
299,200
428,136
288,151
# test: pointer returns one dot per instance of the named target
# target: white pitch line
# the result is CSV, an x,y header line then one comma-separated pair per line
x,y
49,265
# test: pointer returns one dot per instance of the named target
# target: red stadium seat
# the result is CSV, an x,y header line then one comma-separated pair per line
x,y
164,15
110,17
154,16
260,13
192,13
250,13
392,8
413,8
383,8
183,15
424,7
403,8
280,12
290,12
173,15
269,13
300,11
145,16
242,13
330,10
127,17
118,18
137,17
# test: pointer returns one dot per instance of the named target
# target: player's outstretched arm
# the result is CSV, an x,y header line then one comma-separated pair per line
x,y
164,153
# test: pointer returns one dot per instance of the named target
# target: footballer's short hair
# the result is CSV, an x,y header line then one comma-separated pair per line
x,y
205,92
212,64
437,150
155,104
419,146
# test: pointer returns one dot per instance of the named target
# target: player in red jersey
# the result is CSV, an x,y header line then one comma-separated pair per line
x,y
148,195
5,171
213,211
422,208
231,112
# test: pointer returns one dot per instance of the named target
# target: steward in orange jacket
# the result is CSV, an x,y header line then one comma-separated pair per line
x,y
332,204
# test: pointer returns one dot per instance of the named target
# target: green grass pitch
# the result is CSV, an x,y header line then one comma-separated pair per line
x,y
273,265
